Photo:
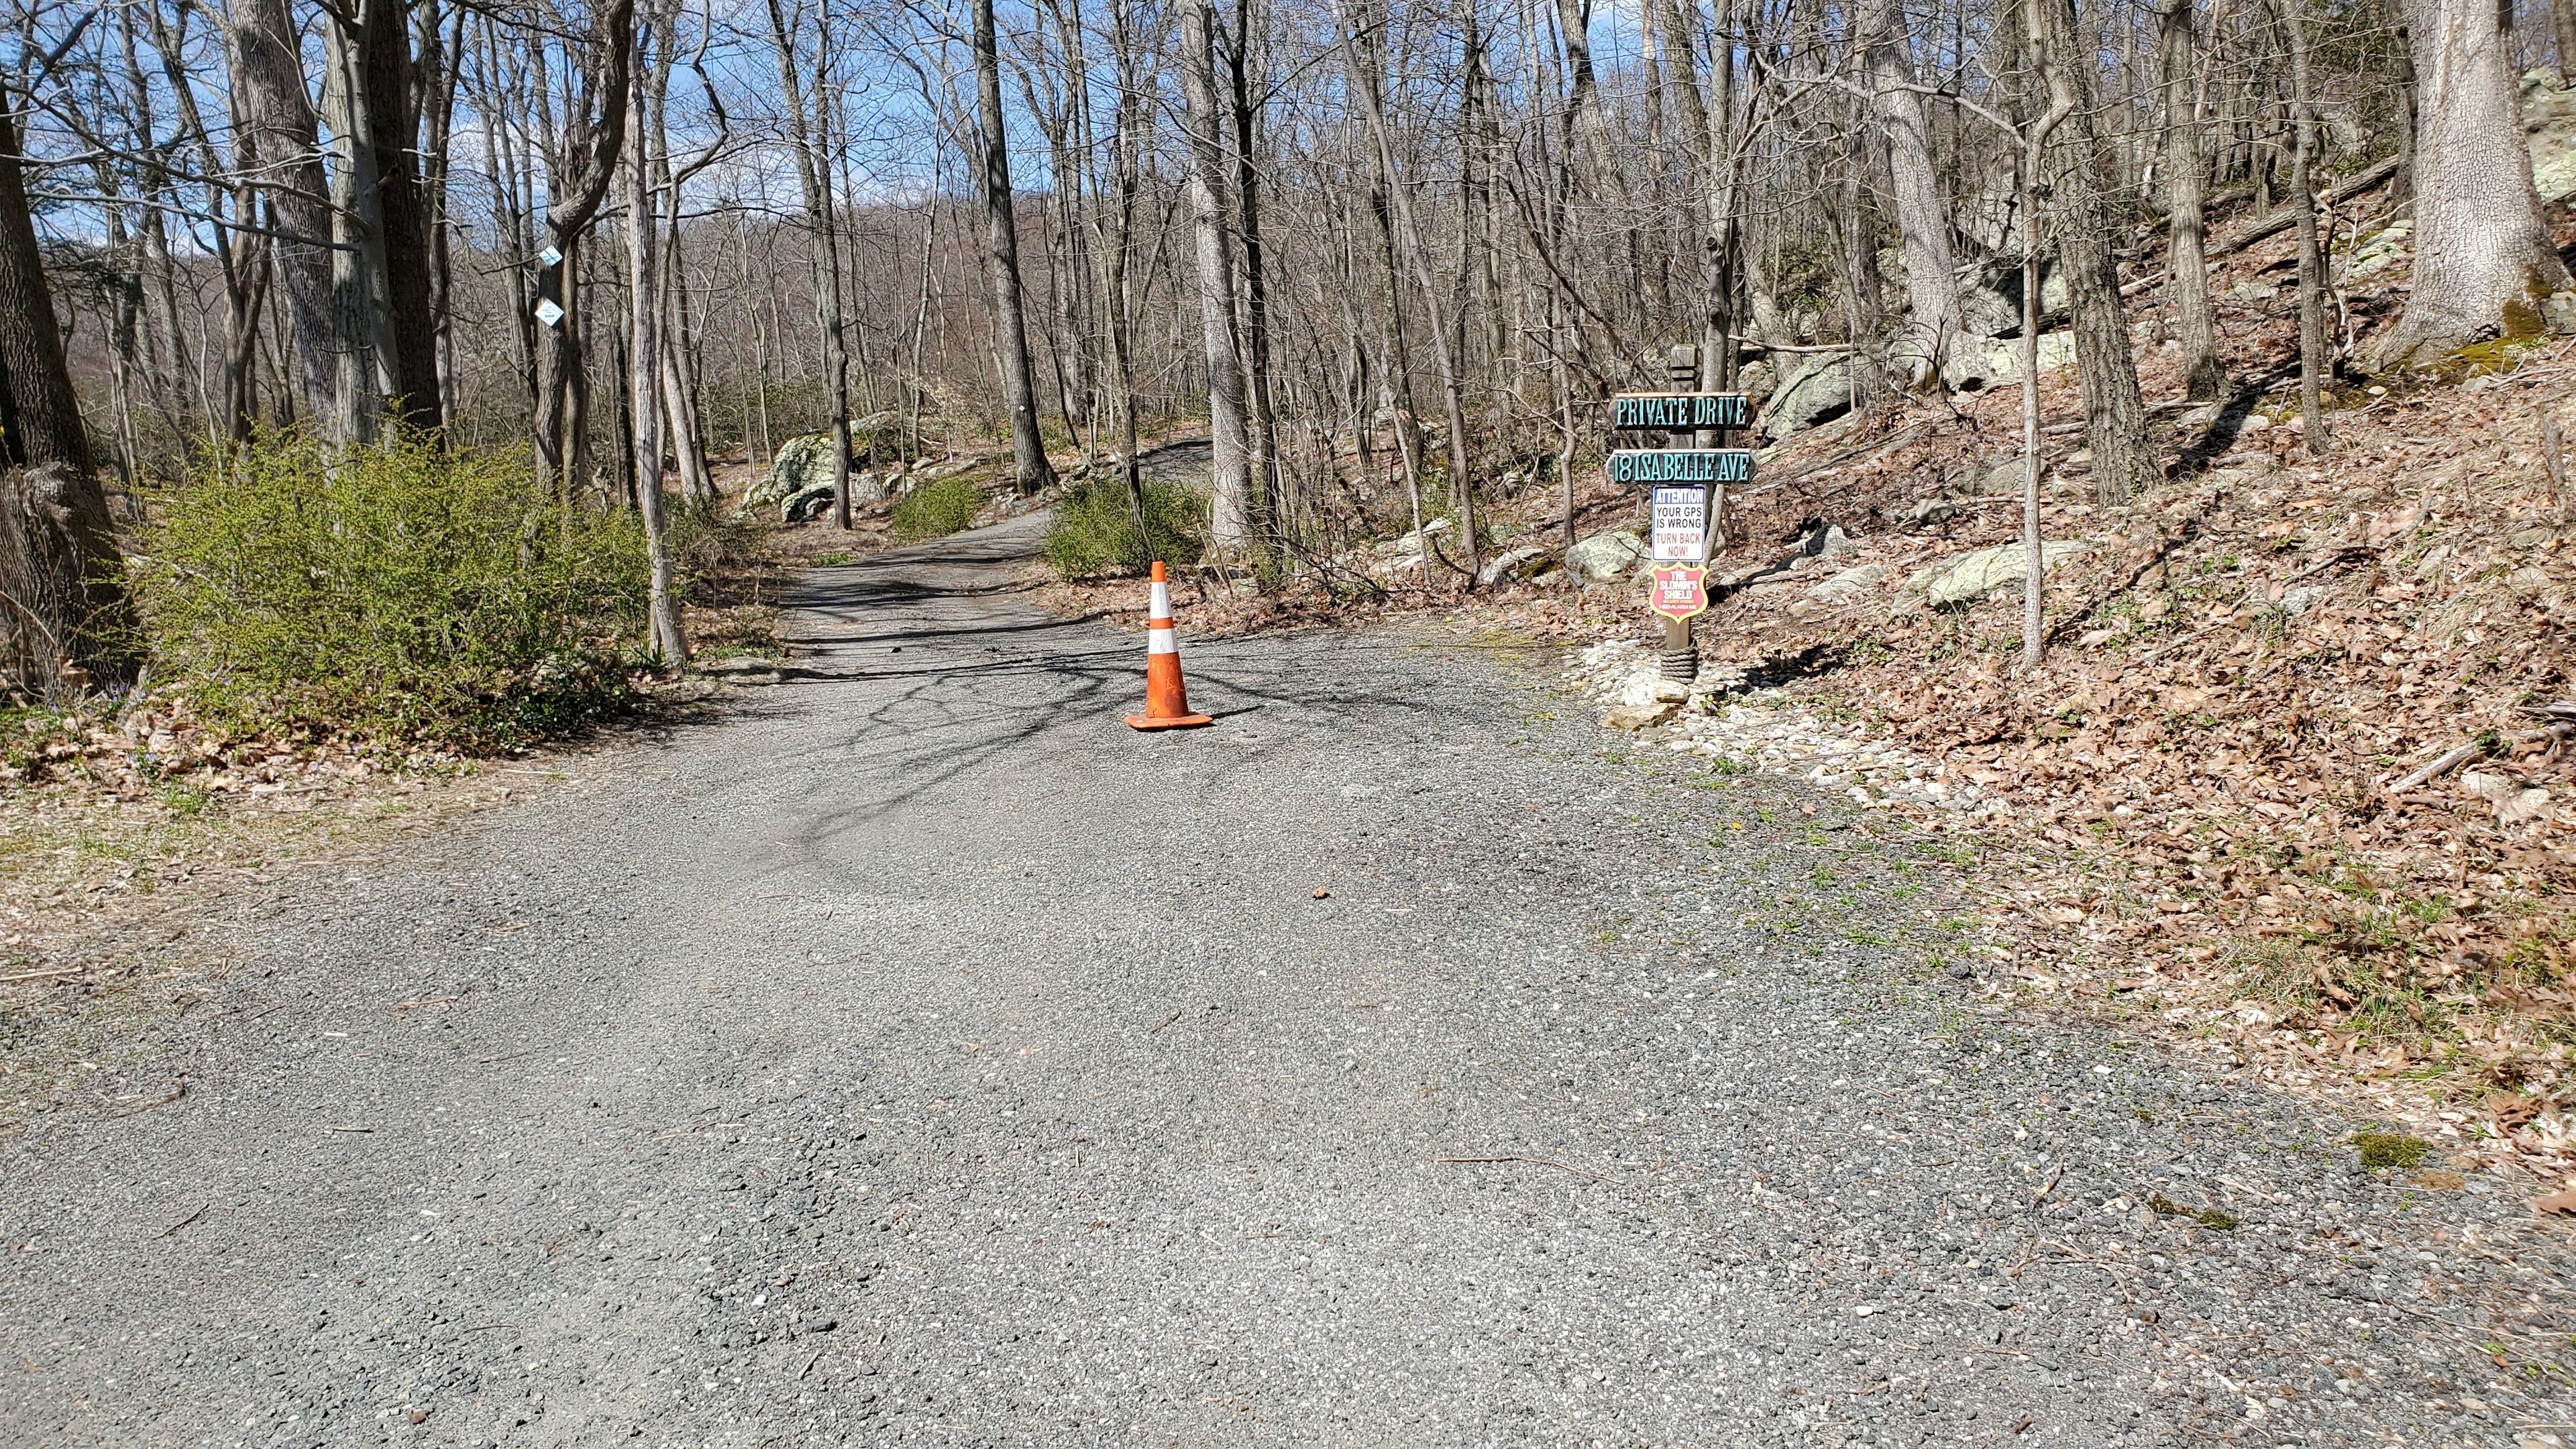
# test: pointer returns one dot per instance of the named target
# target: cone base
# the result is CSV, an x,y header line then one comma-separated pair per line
x,y
1169,722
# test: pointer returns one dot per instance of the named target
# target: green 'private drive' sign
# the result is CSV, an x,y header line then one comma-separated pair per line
x,y
1680,465
1680,411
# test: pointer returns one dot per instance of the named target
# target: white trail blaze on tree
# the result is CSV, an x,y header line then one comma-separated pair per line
x,y
2483,262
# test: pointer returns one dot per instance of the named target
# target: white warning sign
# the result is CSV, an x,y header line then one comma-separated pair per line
x,y
1680,520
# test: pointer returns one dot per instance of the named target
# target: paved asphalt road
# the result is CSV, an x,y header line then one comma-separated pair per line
x,y
916,1056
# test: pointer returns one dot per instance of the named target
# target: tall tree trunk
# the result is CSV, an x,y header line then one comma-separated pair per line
x,y
402,208
2186,264
644,368
1934,345
2483,260
2303,195
1116,255
1028,449
361,307
1261,422
2030,161
278,116
436,73
2401,187
1230,507
61,605
2115,416
1587,127
1864,288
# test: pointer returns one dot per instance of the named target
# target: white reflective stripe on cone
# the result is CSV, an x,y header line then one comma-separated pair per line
x,y
1161,605
1161,641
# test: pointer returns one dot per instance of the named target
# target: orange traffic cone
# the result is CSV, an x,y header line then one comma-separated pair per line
x,y
1167,700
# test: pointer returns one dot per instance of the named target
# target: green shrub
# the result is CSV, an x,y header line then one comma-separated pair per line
x,y
1095,528
401,594
935,510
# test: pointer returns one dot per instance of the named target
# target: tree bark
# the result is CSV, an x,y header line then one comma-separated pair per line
x,y
1028,449
361,309
2115,415
61,605
402,208
2483,260
2186,263
1261,422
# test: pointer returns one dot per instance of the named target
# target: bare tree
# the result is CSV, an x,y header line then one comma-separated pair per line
x,y
1230,504
1935,345
644,367
582,163
1028,449
2186,261
2115,415
2313,361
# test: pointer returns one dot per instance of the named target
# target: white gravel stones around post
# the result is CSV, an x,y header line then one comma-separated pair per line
x,y
1770,731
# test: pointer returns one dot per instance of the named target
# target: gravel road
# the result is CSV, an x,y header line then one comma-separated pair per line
x,y
916,1056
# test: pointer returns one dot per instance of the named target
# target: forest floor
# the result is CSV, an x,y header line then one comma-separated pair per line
x,y
909,1053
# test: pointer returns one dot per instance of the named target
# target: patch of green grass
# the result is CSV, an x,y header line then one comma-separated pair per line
x,y
2390,1149
185,799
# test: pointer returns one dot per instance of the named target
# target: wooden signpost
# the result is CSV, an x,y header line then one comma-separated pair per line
x,y
1687,507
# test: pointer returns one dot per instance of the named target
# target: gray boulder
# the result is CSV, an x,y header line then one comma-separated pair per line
x,y
1756,377
2389,245
815,499
1849,584
1527,561
1988,480
1616,554
1987,311
802,461
1973,576
2003,355
807,503
1990,301
2549,129
1817,391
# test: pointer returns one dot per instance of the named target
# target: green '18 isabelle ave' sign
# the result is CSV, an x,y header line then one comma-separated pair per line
x,y
1680,465
1680,411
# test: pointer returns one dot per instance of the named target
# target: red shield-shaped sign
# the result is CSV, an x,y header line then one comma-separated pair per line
x,y
1680,592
